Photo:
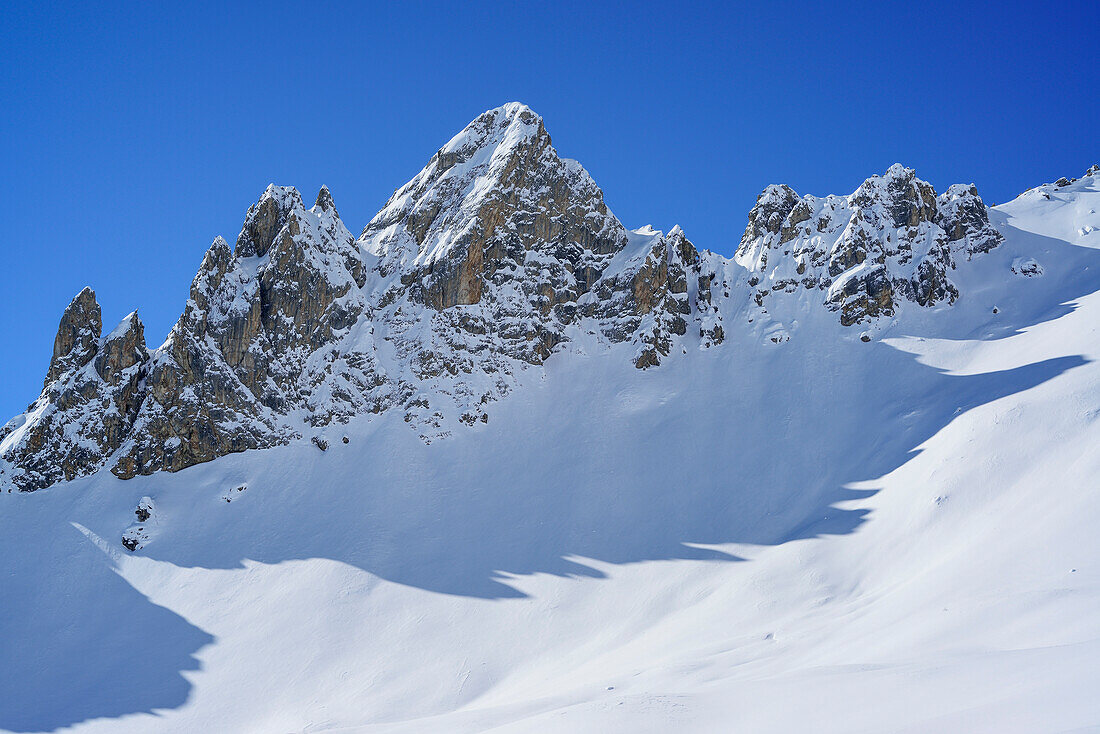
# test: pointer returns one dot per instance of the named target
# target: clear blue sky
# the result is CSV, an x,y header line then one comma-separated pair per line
x,y
131,135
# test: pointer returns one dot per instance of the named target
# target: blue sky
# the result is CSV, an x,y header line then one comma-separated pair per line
x,y
131,135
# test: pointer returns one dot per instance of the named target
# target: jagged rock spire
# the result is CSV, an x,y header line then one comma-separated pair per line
x,y
266,218
83,414
324,201
241,357
77,335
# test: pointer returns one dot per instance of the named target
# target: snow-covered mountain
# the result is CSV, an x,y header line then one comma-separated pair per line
x,y
496,257
502,463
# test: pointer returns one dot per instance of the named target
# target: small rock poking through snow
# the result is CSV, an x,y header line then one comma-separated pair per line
x,y
137,535
232,494
1026,267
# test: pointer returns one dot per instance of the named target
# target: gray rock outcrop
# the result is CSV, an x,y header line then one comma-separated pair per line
x,y
88,405
893,240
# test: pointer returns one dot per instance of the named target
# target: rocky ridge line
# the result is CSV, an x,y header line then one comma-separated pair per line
x,y
494,258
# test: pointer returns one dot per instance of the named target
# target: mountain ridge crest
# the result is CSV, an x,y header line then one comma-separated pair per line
x,y
496,256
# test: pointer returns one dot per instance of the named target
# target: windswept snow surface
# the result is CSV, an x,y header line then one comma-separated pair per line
x,y
820,535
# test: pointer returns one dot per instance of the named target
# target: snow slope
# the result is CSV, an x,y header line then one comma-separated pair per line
x,y
822,534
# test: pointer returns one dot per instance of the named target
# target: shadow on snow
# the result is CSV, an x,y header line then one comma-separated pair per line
x,y
577,468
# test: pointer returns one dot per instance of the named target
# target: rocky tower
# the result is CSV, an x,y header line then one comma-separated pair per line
x,y
496,257
88,405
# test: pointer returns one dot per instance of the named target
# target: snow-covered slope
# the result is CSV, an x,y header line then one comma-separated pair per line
x,y
811,532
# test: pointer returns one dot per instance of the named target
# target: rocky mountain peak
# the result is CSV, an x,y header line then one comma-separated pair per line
x,y
770,211
324,202
77,335
965,218
908,200
256,339
215,263
494,133
266,218
88,405
497,192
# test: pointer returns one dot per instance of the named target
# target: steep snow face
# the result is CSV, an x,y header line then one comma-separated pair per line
x,y
496,257
1064,210
891,241
901,532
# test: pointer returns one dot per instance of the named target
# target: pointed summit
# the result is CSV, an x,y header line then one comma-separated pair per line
x,y
265,218
324,202
77,335
909,200
495,131
495,192
91,397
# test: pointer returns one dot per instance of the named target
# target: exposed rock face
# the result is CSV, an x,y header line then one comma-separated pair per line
x,y
657,286
141,532
893,240
88,405
965,219
496,195
497,219
498,255
121,349
77,335
121,363
250,346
